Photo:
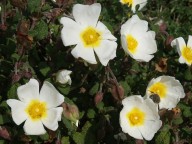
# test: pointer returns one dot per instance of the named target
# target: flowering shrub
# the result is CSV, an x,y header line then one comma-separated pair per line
x,y
95,71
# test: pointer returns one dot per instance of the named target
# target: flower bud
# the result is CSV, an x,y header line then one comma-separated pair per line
x,y
63,77
98,97
169,40
71,112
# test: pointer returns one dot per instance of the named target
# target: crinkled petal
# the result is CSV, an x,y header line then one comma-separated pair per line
x,y
127,27
106,34
28,91
53,116
189,43
85,53
34,127
50,95
17,111
87,15
150,128
70,33
126,128
140,26
169,102
105,50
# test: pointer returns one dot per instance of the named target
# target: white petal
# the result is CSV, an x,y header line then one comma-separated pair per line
x,y
150,128
33,127
105,50
53,116
127,27
132,98
106,34
140,26
142,57
169,102
85,53
124,44
180,43
17,111
189,43
77,123
126,128
70,31
181,60
28,91
87,15
50,95
141,3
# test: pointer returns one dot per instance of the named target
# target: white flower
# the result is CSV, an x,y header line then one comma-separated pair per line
x,y
137,41
88,34
168,89
185,51
37,108
134,3
63,77
139,118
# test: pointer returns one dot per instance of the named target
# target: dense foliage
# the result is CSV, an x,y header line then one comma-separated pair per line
x,y
31,46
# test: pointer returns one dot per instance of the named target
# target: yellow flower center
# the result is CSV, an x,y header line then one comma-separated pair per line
x,y
131,44
136,117
36,110
187,54
129,2
159,89
91,37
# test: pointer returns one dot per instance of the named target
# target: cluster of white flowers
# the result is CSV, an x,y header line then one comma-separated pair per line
x,y
93,41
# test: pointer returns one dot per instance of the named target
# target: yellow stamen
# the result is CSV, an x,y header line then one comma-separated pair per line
x,y
129,2
36,110
131,44
187,54
91,37
136,117
159,89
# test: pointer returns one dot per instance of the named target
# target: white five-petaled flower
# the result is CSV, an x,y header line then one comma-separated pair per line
x,y
88,34
168,89
37,108
185,51
136,40
63,77
134,3
139,117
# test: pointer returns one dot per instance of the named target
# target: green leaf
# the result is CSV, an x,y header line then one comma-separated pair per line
x,y
4,119
126,87
12,93
91,114
64,90
40,31
188,74
44,137
163,137
177,121
94,89
65,140
33,5
44,68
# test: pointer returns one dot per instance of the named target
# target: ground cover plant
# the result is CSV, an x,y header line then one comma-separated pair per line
x,y
95,71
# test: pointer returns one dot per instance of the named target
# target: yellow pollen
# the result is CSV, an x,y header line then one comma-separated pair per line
x,y
159,89
36,110
131,44
187,54
129,2
136,117
91,37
